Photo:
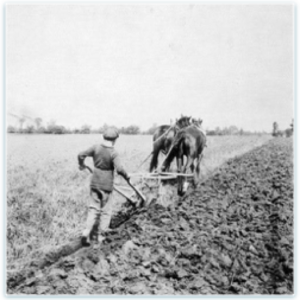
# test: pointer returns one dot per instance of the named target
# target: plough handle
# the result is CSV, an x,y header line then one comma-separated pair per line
x,y
124,195
120,192
87,167
137,191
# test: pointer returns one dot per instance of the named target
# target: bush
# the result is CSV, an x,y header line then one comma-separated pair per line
x,y
12,129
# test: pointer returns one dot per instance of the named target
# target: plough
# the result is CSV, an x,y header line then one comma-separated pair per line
x,y
123,194
155,175
160,175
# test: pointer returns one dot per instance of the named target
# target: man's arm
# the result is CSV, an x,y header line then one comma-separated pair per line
x,y
119,167
82,155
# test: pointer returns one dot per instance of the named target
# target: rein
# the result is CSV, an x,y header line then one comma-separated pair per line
x,y
171,148
171,127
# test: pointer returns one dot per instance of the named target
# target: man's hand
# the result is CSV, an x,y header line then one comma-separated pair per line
x,y
82,167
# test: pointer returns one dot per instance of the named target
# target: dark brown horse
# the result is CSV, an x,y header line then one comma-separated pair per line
x,y
188,142
163,138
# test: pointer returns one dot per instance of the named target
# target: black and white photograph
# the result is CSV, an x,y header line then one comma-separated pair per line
x,y
149,149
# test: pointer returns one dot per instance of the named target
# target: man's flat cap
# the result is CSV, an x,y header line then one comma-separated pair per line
x,y
110,133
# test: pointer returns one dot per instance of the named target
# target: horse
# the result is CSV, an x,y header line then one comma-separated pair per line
x,y
163,138
189,142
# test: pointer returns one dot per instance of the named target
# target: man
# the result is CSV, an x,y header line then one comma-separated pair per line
x,y
106,160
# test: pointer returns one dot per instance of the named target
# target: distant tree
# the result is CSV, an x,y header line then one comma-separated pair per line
x,y
29,129
132,129
218,131
59,129
275,129
55,129
68,130
76,130
38,122
11,129
225,131
21,121
86,129
289,132
41,129
152,129
51,127
103,128
233,130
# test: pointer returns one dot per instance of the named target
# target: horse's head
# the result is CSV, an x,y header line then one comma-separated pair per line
x,y
184,121
197,122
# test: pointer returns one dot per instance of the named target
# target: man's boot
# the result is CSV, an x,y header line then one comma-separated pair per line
x,y
85,239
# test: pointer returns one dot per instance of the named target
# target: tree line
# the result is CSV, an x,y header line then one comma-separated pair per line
x,y
53,128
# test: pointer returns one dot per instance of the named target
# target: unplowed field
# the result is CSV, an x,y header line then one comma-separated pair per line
x,y
232,235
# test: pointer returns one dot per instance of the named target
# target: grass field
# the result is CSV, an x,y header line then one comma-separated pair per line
x,y
47,195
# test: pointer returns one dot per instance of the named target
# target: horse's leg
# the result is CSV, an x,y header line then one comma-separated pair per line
x,y
179,163
195,170
188,165
179,178
169,155
153,163
197,173
193,166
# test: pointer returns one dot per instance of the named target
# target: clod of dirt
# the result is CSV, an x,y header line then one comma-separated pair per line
x,y
129,246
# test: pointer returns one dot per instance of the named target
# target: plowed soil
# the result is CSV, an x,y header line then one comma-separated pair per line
x,y
232,235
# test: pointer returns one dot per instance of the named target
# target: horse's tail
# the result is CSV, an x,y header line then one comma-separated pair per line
x,y
178,138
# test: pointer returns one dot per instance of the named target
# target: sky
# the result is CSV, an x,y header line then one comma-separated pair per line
x,y
144,64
